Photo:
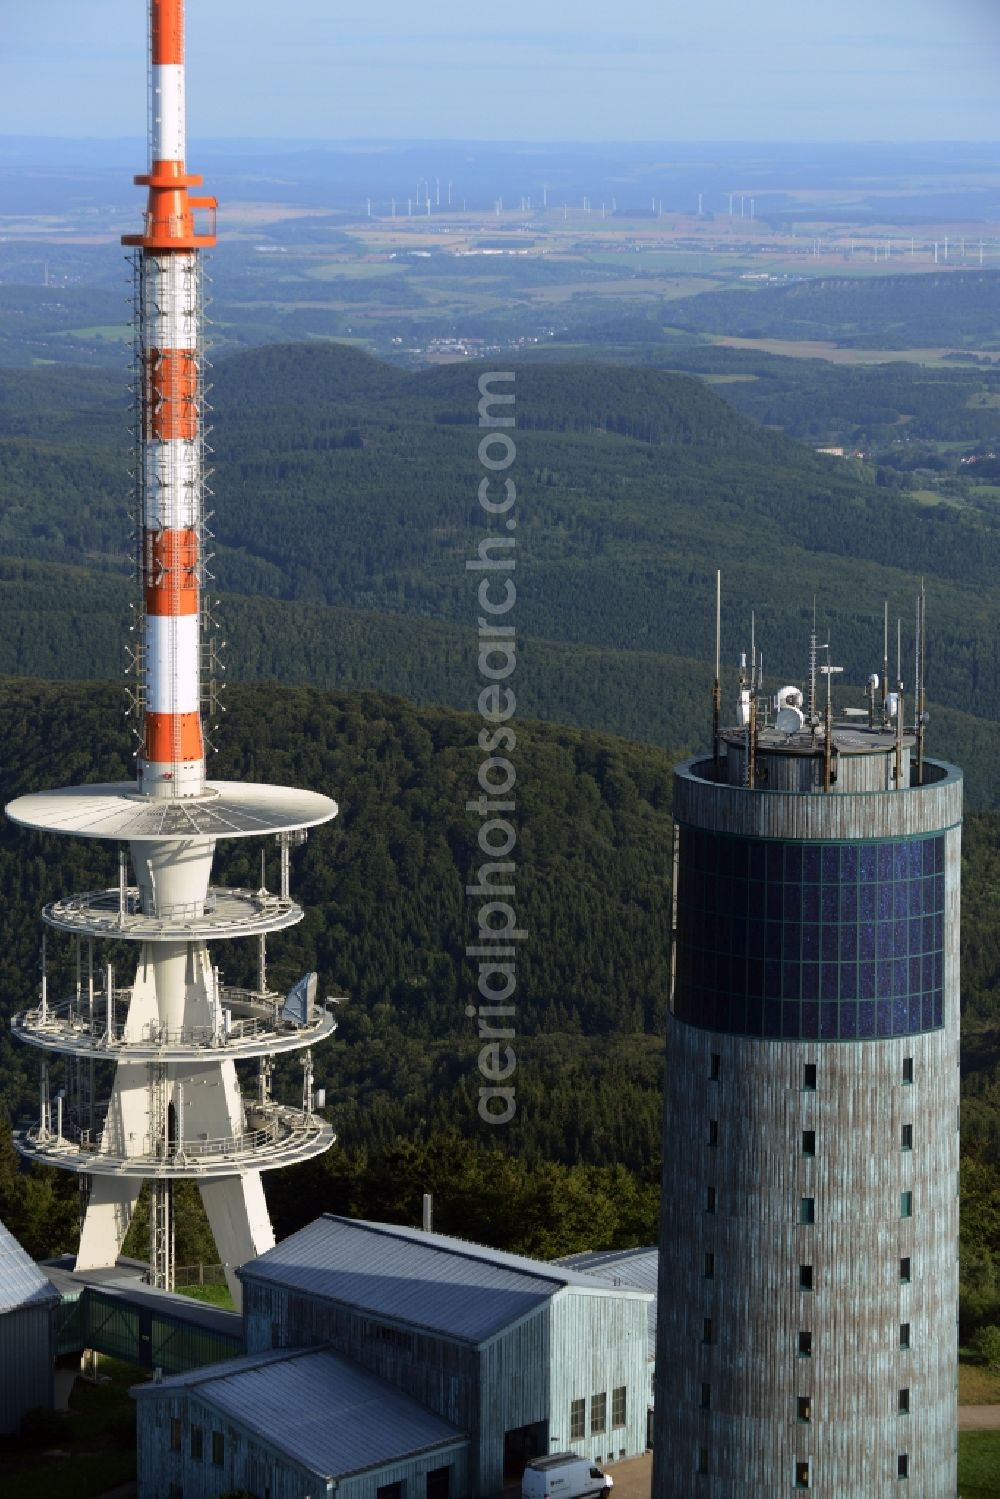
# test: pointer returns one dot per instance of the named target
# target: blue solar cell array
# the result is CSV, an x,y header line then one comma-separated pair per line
x,y
825,941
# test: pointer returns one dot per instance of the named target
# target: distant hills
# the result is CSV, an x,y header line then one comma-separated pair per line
x,y
345,507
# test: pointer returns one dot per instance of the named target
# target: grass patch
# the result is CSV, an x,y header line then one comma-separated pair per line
x,y
978,1464
212,1295
976,1385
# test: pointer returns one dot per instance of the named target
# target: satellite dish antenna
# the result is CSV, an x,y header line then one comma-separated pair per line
x,y
789,720
301,1000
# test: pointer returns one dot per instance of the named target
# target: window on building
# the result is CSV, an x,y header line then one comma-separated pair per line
x,y
906,1137
904,1335
577,1420
218,1449
802,1475
804,1408
906,1204
808,1142
175,1434
710,1201
904,1269
709,1266
618,1406
809,1077
197,1443
805,1277
713,1132
907,1069
706,1330
706,1397
805,1344
175,1491
702,1460
598,1413
715,1071
903,1465
807,1210
904,1402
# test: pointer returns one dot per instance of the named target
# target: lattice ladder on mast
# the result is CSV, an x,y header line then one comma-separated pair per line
x,y
161,1216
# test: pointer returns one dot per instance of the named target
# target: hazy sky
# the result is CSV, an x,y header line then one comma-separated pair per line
x,y
519,70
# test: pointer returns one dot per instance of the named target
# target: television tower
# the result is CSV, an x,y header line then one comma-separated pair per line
x,y
808,1308
175,1109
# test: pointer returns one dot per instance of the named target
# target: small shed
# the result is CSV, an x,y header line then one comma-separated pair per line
x,y
293,1424
27,1304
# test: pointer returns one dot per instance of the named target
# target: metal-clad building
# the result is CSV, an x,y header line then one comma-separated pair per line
x,y
809,1234
293,1424
27,1304
526,1357
638,1268
114,1312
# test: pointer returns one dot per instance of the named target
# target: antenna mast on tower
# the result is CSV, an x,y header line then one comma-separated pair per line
x,y
175,1108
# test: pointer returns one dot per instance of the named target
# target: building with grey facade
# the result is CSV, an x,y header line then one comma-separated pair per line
x,y
471,1361
27,1348
809,1235
291,1423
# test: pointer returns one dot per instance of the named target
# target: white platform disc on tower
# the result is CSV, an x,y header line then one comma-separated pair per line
x,y
228,809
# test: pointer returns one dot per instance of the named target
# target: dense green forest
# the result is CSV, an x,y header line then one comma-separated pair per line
x,y
342,482
387,923
951,308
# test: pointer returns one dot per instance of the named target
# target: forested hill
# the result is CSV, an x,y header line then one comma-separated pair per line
x,y
946,308
388,918
339,481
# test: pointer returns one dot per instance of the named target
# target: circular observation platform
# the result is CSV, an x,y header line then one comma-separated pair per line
x,y
226,809
275,1136
254,1029
226,913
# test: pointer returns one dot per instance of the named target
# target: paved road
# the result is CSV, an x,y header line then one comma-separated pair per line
x,y
979,1418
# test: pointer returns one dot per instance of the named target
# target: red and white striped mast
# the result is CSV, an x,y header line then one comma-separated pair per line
x,y
170,474
175,1109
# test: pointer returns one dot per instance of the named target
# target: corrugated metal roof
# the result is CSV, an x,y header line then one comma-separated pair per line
x,y
321,1409
451,1286
21,1281
637,1268
125,1280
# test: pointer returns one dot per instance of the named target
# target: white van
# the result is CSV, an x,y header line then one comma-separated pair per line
x,y
563,1475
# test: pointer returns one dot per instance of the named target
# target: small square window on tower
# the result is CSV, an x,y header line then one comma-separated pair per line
x,y
805,1344
805,1277
702,1460
706,1397
808,1142
710,1200
904,1270
709,1271
706,1330
804,1408
802,1476
904,1335
904,1403
809,1077
903,1465
907,1069
807,1210
715,1069
713,1132
906,1137
906,1204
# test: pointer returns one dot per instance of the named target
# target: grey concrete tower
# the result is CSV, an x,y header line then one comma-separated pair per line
x,y
808,1289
